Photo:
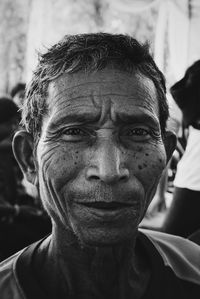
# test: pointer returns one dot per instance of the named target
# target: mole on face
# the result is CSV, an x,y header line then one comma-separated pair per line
x,y
139,148
140,167
76,158
146,154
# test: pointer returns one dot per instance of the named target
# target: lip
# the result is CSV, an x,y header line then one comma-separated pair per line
x,y
107,211
106,205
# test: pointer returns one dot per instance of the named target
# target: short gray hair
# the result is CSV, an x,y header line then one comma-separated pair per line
x,y
89,52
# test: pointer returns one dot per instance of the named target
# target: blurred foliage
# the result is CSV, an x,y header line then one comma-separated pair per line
x,y
14,15
25,24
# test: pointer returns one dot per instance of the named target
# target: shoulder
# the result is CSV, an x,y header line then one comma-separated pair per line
x,y
181,255
16,275
9,287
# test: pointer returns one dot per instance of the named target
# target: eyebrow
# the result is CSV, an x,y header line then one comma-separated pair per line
x,y
83,118
122,118
137,118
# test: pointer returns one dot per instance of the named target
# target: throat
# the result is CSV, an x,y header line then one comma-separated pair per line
x,y
106,267
99,272
95,271
92,272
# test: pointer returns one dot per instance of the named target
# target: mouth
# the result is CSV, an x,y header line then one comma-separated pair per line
x,y
106,212
101,205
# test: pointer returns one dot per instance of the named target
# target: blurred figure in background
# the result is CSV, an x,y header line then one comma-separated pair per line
x,y
22,221
18,94
183,216
165,188
9,119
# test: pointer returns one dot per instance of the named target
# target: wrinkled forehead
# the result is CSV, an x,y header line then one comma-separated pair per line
x,y
105,87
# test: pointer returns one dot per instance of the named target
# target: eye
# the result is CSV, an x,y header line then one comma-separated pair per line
x,y
74,132
137,132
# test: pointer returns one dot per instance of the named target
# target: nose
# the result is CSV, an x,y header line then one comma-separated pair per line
x,y
108,164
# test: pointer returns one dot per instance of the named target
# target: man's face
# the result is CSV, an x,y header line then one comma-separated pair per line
x,y
100,154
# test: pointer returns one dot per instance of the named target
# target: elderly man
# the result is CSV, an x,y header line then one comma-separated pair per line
x,y
95,145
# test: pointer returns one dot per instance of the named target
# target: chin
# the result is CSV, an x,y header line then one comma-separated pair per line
x,y
102,238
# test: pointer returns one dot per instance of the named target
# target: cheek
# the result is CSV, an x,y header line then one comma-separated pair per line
x,y
57,167
147,163
60,164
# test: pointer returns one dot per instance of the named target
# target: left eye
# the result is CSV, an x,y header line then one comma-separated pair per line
x,y
137,132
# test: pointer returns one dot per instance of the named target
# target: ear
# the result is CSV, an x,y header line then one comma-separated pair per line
x,y
170,143
23,151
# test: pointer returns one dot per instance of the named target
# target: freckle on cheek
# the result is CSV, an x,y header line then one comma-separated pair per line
x,y
140,148
140,167
146,154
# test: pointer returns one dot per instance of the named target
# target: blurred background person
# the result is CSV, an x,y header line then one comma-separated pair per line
x,y
9,120
18,94
183,215
22,219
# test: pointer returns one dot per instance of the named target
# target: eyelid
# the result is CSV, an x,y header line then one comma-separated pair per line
x,y
72,128
137,126
88,131
151,132
146,127
131,130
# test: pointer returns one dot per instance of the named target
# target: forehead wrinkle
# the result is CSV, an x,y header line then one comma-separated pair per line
x,y
92,98
74,88
70,79
55,86
90,94
73,110
69,98
103,110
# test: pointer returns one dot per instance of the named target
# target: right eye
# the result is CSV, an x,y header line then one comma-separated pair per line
x,y
74,134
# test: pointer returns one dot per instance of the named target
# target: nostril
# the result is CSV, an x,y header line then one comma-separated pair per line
x,y
94,177
123,178
107,175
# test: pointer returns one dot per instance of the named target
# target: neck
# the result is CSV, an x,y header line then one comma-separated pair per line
x,y
98,271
